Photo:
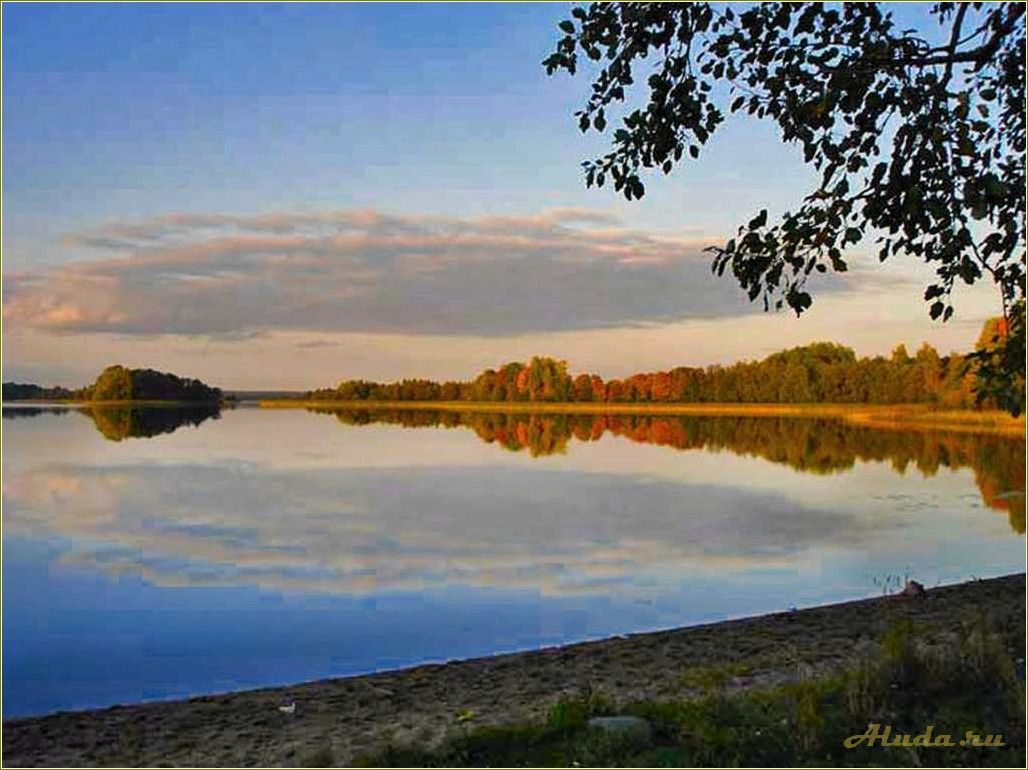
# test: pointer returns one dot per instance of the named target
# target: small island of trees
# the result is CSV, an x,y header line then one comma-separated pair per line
x,y
117,383
121,384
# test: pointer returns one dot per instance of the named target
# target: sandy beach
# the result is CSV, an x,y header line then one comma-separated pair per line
x,y
361,713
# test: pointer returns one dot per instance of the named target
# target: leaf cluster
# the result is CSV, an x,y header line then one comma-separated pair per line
x,y
919,147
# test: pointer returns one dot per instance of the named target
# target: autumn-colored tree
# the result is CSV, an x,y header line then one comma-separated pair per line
x,y
999,360
917,146
660,386
583,388
113,384
820,372
616,391
548,380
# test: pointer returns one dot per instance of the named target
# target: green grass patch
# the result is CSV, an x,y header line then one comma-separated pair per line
x,y
968,683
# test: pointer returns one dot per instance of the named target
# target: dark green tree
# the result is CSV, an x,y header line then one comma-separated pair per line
x,y
918,145
118,383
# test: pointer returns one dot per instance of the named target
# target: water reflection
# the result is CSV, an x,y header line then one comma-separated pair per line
x,y
819,446
17,412
217,509
274,546
120,422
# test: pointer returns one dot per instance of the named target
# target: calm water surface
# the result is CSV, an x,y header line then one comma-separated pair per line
x,y
155,554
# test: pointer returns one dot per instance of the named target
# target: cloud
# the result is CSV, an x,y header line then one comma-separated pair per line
x,y
366,271
361,531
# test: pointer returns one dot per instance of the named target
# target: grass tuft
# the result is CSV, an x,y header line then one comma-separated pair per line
x,y
967,682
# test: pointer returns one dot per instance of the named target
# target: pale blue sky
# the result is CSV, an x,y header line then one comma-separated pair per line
x,y
127,113
422,109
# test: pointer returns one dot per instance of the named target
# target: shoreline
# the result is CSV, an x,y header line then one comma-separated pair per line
x,y
880,416
883,416
166,404
357,714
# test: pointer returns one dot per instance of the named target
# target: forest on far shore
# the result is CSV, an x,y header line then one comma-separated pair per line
x,y
822,372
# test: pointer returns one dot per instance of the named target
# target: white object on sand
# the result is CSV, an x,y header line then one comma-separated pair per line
x,y
290,709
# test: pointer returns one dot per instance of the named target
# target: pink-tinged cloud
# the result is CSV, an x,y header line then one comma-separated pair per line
x,y
365,271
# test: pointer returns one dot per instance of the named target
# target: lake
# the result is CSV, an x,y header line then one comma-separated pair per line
x,y
161,553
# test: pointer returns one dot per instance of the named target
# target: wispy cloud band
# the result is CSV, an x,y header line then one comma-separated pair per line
x,y
366,271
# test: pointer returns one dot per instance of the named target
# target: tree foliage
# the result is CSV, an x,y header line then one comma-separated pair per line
x,y
918,146
23,391
822,372
118,383
1000,351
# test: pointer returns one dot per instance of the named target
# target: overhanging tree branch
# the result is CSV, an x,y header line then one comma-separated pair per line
x,y
829,79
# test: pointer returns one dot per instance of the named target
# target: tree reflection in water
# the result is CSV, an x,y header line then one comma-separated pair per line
x,y
121,422
820,446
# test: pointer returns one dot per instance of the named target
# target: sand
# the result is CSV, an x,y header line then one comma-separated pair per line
x,y
361,713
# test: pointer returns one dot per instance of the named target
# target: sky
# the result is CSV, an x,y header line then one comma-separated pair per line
x,y
285,196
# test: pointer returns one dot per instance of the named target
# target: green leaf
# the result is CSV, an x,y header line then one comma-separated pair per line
x,y
817,76
798,300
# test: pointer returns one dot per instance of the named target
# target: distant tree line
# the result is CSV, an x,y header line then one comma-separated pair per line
x,y
119,383
822,372
23,391
916,146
